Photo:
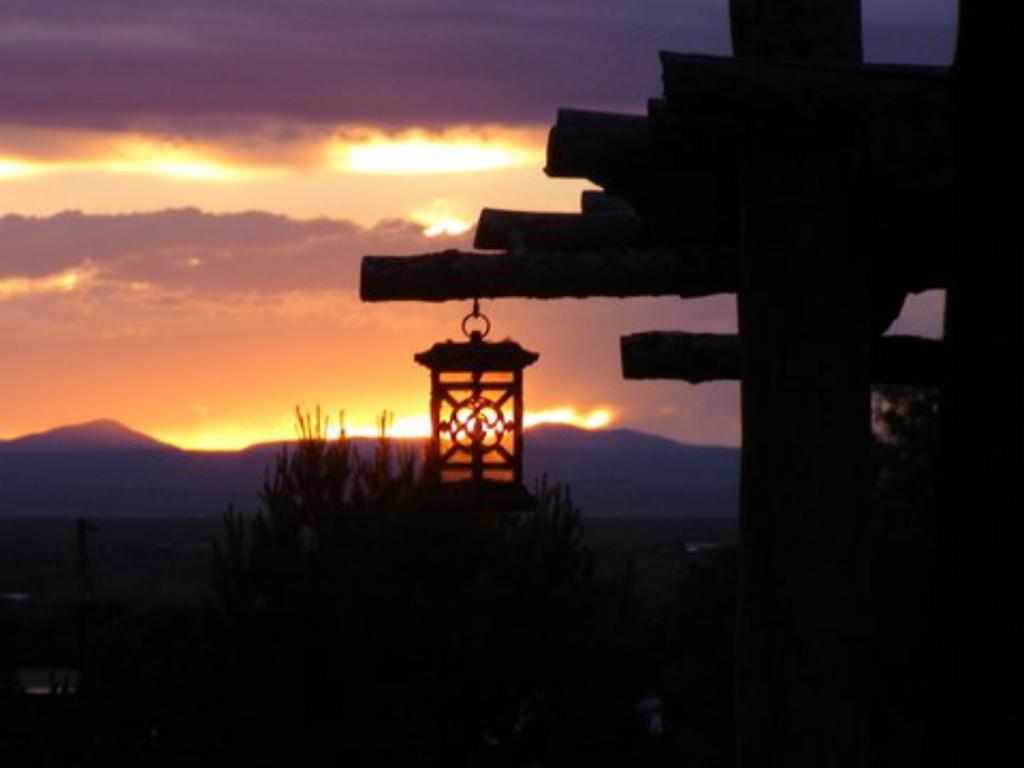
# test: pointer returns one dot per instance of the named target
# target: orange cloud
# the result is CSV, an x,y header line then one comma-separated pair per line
x,y
154,158
135,155
65,281
363,173
240,155
443,217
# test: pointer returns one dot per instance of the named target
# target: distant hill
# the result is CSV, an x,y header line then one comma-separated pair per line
x,y
103,469
104,434
623,473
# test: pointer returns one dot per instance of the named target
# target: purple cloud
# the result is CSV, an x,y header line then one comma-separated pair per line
x,y
111,63
189,249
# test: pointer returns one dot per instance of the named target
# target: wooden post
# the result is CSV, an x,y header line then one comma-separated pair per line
x,y
976,715
802,676
515,230
805,498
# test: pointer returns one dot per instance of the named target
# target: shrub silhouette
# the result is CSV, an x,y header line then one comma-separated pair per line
x,y
357,612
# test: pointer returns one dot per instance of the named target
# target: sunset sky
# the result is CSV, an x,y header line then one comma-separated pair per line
x,y
186,189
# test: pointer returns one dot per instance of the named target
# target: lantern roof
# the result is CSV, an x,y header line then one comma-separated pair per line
x,y
476,355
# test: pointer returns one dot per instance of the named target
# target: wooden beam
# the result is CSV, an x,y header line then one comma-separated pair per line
x,y
458,275
692,357
609,149
725,84
797,29
909,361
511,230
549,273
593,201
690,201
907,113
702,357
689,194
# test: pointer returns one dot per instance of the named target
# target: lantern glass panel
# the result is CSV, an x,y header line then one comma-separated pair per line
x,y
498,377
456,377
476,436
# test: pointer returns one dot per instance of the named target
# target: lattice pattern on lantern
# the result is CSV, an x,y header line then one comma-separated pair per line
x,y
476,408
477,434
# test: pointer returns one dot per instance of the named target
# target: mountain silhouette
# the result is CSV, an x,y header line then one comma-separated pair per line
x,y
101,434
103,469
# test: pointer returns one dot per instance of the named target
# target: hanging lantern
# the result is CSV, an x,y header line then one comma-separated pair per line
x,y
476,407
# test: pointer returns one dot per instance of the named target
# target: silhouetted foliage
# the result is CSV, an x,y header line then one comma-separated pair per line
x,y
906,451
397,628
907,436
698,673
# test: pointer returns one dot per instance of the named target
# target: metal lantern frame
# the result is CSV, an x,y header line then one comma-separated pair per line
x,y
476,406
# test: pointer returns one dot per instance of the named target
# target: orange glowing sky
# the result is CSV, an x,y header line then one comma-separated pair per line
x,y
183,209
206,329
438,178
103,345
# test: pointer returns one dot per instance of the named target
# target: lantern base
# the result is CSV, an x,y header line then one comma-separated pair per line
x,y
484,496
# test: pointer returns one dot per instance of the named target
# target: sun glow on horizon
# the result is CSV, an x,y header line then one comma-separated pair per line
x,y
416,152
226,437
599,418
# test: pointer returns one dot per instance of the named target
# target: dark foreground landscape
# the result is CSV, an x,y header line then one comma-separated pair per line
x,y
155,602
167,561
357,616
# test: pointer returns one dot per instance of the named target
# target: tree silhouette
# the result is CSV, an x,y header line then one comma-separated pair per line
x,y
403,628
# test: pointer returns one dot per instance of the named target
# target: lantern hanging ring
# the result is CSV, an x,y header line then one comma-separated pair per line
x,y
477,315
